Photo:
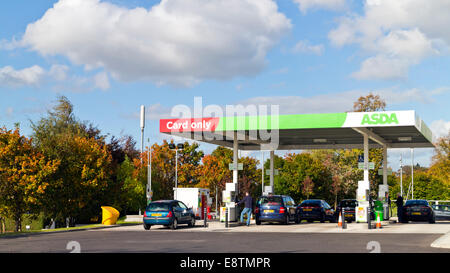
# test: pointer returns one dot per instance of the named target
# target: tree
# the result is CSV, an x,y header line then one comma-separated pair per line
x,y
189,160
440,167
308,187
295,170
213,176
133,195
24,176
369,103
249,179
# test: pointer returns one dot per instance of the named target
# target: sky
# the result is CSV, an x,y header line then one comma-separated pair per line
x,y
108,57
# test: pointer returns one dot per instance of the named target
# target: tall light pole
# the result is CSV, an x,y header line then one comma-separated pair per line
x,y
142,129
149,172
142,135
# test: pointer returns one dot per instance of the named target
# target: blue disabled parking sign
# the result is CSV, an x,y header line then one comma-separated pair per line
x,y
360,158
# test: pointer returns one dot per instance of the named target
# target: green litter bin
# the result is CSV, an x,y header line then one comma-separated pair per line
x,y
378,212
378,207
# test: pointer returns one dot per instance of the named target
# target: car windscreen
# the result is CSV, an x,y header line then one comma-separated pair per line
x,y
348,203
158,206
270,200
314,204
416,203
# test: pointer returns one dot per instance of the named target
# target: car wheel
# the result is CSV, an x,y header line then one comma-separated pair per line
x,y
297,219
174,224
192,222
310,221
147,227
257,221
286,220
432,220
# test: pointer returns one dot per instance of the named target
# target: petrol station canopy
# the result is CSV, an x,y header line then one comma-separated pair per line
x,y
389,129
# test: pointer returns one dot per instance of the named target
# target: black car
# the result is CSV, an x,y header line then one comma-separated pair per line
x,y
314,209
349,206
275,208
418,210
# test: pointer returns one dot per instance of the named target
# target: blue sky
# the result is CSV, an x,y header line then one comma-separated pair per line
x,y
308,56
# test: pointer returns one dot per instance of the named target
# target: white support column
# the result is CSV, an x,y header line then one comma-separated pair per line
x,y
385,165
272,153
235,158
412,173
366,158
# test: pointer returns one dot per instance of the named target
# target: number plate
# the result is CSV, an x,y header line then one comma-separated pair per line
x,y
307,209
268,211
156,214
416,213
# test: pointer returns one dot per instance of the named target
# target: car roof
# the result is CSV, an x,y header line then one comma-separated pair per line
x,y
164,201
273,195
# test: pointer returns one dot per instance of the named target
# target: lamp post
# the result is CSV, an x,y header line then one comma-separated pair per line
x,y
142,125
179,146
149,172
142,129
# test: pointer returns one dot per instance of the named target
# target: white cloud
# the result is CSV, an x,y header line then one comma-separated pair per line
x,y
305,5
397,34
343,101
306,47
101,81
155,111
177,42
440,128
59,72
381,67
18,78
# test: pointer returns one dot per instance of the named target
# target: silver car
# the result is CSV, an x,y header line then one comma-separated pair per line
x,y
441,212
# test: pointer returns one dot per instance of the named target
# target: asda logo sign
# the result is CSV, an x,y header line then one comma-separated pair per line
x,y
379,119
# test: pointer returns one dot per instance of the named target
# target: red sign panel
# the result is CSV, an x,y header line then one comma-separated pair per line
x,y
188,125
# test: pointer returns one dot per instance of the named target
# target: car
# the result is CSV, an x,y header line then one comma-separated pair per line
x,y
418,210
441,212
349,205
314,209
275,208
169,213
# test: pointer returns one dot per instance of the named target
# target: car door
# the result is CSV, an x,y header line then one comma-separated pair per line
x,y
291,207
185,212
328,210
178,211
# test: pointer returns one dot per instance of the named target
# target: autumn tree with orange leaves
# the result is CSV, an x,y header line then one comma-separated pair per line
x,y
25,176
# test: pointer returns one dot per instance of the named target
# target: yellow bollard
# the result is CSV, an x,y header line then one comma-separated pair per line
x,y
109,215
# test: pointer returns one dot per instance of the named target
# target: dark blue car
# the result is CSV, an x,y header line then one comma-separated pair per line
x,y
169,213
315,210
275,208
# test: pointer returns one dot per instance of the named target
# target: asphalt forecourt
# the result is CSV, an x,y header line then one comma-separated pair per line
x,y
134,239
440,227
